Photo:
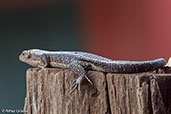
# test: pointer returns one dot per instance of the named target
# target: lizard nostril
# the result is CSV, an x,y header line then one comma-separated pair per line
x,y
29,56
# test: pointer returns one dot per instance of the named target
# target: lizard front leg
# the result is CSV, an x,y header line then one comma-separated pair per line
x,y
44,60
79,70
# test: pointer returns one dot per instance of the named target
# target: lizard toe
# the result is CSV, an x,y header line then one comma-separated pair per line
x,y
74,87
89,80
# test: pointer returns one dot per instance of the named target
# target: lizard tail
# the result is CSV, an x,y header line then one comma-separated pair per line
x,y
138,66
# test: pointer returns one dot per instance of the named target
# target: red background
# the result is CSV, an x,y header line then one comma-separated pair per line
x,y
129,29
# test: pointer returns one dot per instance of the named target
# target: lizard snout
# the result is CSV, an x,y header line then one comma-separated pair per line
x,y
24,55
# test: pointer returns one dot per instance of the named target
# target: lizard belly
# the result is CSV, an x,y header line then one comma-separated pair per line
x,y
97,68
59,65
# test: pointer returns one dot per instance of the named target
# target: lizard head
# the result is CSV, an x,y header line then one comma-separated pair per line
x,y
31,57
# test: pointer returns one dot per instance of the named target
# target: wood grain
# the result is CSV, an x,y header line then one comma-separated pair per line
x,y
141,93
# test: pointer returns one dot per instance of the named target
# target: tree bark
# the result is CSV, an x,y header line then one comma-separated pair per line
x,y
140,93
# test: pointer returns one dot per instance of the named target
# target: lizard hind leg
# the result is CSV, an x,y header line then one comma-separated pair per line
x,y
80,71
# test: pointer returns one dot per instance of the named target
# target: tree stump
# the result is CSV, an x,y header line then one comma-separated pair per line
x,y
139,93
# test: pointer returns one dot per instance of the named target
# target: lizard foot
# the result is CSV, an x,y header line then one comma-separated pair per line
x,y
77,85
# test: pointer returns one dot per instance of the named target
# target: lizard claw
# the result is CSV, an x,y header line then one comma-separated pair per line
x,y
74,82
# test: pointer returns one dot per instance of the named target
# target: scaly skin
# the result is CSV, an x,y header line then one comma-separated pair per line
x,y
79,62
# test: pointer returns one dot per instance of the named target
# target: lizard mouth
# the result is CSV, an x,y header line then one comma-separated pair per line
x,y
26,58
21,58
29,61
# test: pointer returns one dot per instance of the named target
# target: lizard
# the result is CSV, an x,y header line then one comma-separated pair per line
x,y
80,62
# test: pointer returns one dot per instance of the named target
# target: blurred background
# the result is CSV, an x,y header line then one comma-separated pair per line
x,y
117,29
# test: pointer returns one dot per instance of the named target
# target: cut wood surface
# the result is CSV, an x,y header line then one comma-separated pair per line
x,y
140,93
